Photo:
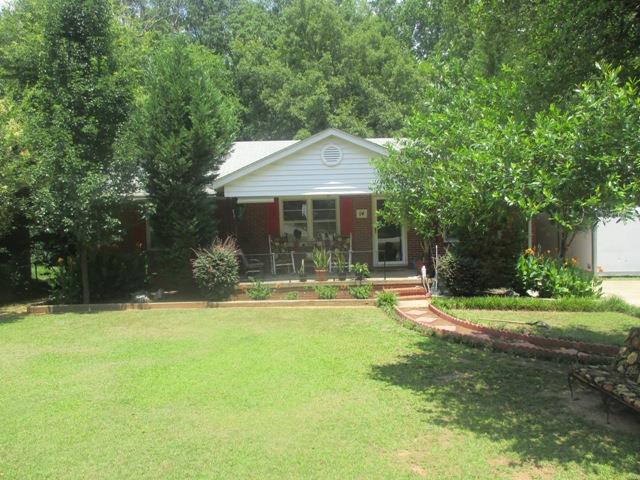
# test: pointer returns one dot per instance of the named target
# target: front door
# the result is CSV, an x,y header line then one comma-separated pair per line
x,y
389,241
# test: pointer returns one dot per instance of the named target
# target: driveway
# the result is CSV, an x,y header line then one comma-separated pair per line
x,y
628,290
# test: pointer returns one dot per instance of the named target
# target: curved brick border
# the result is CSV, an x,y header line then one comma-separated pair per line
x,y
494,343
587,347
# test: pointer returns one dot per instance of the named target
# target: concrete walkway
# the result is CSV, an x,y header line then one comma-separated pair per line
x,y
418,312
628,290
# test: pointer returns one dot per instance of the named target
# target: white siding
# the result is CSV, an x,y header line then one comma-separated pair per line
x,y
618,248
304,173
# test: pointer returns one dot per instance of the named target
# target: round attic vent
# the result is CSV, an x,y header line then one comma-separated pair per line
x,y
331,155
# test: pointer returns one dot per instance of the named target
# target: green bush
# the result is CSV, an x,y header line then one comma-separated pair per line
x,y
553,278
568,304
463,276
258,291
386,300
361,271
292,296
326,292
360,291
215,269
66,286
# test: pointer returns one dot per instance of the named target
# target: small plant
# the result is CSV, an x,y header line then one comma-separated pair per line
x,y
215,269
361,271
326,292
386,300
258,291
320,258
341,265
360,291
291,296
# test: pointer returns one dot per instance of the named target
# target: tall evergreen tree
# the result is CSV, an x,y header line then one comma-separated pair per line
x,y
74,111
186,123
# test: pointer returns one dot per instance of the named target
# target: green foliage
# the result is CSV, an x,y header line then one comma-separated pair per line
x,y
320,258
341,263
185,124
216,270
566,304
462,276
552,277
386,300
291,296
65,283
360,291
72,115
361,271
258,291
326,292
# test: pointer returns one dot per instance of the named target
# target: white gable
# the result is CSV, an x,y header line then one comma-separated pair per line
x,y
304,172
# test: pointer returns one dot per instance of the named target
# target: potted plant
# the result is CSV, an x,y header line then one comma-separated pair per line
x,y
361,271
301,273
341,265
321,263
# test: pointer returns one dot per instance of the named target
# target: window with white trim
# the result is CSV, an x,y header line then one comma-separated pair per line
x,y
308,218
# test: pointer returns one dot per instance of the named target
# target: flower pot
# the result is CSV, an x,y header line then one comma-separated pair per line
x,y
321,275
303,278
342,276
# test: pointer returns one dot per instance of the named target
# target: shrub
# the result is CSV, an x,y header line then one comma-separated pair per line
x,y
215,269
360,291
386,300
65,283
326,292
258,291
291,296
551,277
361,271
463,276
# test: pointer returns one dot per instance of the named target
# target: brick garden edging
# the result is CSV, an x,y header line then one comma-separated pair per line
x,y
114,307
587,347
496,343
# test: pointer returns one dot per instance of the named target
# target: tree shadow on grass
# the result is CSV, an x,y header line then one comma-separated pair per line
x,y
10,317
508,399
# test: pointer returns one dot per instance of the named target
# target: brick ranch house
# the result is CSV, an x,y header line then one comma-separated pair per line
x,y
322,187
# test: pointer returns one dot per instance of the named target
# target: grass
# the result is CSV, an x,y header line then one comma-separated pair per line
x,y
612,304
600,327
295,393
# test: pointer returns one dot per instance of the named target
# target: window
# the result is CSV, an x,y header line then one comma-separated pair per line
x,y
324,217
309,219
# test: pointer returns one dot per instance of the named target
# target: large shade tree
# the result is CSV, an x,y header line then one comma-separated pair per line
x,y
74,110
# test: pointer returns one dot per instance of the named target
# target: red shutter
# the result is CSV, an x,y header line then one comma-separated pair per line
x,y
273,219
346,215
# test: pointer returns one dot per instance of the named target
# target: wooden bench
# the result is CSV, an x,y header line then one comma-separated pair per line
x,y
619,382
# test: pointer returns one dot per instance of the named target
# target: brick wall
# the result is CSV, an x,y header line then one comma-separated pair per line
x,y
252,229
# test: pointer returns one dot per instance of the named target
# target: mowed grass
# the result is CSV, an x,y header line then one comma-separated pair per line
x,y
601,327
290,393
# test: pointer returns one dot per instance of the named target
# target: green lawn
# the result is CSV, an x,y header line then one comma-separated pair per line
x,y
602,327
291,393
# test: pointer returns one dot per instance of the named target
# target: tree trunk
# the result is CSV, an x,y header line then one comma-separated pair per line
x,y
84,272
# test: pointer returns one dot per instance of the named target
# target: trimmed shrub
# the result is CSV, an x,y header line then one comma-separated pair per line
x,y
553,278
361,271
360,291
216,270
386,300
568,304
258,291
463,276
326,292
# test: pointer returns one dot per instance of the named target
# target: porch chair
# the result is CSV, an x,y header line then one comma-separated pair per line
x,y
250,265
341,243
281,255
